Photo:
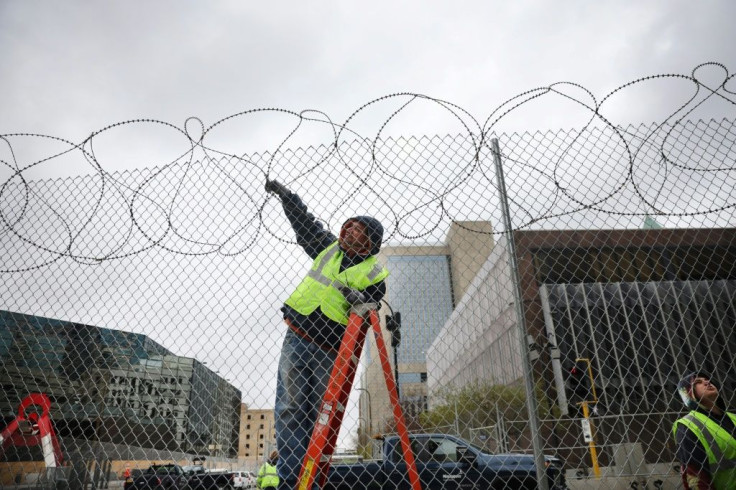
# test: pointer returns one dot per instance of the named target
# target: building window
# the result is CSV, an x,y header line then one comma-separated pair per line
x,y
261,426
643,319
263,416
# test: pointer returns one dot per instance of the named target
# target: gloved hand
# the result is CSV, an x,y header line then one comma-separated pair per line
x,y
353,296
277,188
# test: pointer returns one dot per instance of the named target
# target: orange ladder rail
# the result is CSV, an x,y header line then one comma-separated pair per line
x,y
329,418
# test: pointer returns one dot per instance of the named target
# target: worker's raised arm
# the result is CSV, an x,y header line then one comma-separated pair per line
x,y
310,234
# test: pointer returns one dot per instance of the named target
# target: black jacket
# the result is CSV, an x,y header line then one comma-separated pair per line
x,y
313,238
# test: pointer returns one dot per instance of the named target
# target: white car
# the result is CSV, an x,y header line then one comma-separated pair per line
x,y
244,479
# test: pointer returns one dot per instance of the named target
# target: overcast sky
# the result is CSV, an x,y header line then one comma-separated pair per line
x,y
74,67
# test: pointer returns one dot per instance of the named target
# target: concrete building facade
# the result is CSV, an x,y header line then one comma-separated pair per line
x,y
645,306
257,436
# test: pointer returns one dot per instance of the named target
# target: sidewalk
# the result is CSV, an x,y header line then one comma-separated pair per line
x,y
626,483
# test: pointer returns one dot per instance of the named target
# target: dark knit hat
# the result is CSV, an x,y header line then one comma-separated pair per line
x,y
685,390
374,230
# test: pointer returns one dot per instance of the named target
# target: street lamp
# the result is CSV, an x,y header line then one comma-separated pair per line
x,y
268,443
370,415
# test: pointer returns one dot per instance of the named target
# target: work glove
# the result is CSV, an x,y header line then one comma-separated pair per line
x,y
353,296
277,188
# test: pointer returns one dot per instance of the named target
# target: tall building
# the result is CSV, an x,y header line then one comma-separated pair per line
x,y
257,435
116,387
644,306
424,284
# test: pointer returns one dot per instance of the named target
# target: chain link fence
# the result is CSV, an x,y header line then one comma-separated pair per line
x,y
553,289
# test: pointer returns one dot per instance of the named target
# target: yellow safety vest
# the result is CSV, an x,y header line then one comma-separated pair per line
x,y
719,444
320,288
267,476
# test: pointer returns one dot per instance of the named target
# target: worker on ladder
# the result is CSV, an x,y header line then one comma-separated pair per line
x,y
345,272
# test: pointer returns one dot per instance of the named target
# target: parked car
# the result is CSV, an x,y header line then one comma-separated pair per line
x,y
212,480
195,469
168,476
445,462
244,479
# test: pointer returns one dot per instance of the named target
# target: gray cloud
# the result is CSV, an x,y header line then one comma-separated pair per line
x,y
74,67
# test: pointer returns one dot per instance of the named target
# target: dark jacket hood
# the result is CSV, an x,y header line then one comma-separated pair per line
x,y
373,228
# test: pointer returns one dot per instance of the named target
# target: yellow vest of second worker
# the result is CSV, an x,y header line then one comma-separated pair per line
x,y
320,289
267,476
720,446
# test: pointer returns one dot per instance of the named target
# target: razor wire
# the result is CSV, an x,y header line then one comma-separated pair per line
x,y
133,199
145,302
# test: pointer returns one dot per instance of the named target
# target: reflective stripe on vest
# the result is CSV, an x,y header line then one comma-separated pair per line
x,y
320,288
721,461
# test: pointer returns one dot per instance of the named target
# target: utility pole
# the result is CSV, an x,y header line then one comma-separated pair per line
x,y
393,325
531,400
457,419
370,410
588,429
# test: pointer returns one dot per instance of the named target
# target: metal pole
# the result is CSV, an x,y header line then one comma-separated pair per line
x,y
531,400
586,416
370,410
503,446
457,420
591,443
396,372
554,351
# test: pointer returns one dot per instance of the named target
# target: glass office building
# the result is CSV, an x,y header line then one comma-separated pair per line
x,y
116,387
424,285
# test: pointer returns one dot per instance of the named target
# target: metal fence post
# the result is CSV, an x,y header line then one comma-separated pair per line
x,y
531,400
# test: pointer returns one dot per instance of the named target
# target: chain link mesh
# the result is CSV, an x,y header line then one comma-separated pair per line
x,y
146,304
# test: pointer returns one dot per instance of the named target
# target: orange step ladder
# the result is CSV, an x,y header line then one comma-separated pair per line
x,y
329,419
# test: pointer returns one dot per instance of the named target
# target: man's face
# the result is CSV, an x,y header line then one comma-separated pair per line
x,y
354,240
704,391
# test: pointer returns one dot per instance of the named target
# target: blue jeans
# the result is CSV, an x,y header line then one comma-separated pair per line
x,y
304,371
